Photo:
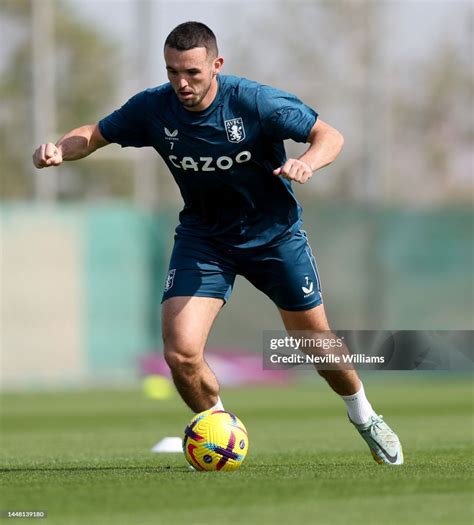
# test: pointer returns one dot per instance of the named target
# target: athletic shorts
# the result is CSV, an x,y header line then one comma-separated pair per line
x,y
285,271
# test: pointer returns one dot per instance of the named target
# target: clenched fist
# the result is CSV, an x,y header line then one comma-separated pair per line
x,y
294,169
47,155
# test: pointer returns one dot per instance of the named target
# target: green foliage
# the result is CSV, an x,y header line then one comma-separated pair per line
x,y
86,64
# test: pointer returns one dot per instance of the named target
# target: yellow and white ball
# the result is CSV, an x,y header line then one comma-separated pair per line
x,y
215,440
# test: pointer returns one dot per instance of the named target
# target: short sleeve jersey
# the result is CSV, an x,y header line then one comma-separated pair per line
x,y
222,158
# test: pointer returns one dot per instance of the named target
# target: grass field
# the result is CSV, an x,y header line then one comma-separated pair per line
x,y
84,457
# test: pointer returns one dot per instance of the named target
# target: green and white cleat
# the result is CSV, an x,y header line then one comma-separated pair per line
x,y
382,440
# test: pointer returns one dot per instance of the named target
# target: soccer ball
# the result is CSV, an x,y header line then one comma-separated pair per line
x,y
215,440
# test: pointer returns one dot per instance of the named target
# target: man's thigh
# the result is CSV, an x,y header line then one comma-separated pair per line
x,y
287,273
312,320
186,323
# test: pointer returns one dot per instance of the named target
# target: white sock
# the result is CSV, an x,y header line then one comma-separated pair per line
x,y
218,405
358,406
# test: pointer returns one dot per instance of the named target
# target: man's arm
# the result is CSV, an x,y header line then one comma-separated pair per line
x,y
325,145
76,144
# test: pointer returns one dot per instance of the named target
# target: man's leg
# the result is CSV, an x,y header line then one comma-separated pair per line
x,y
383,442
344,382
186,323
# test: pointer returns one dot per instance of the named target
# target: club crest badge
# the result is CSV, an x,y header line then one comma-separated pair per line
x,y
235,130
169,280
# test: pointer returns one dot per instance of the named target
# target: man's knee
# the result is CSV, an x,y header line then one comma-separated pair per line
x,y
182,358
330,374
322,373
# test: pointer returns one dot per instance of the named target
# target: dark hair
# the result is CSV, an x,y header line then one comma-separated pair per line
x,y
189,35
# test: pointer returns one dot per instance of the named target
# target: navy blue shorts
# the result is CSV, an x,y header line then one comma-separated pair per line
x,y
286,271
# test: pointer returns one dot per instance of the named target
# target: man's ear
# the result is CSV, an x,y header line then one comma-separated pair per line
x,y
218,63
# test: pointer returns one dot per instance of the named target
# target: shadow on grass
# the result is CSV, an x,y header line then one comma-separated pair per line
x,y
261,468
251,468
165,468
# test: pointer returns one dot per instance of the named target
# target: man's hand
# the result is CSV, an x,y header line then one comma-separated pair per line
x,y
76,144
294,169
47,155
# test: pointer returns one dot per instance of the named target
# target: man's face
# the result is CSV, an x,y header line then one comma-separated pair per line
x,y
192,74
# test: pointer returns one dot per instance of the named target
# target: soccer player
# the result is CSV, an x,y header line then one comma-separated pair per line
x,y
222,139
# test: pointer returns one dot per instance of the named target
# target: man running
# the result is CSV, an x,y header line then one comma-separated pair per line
x,y
222,139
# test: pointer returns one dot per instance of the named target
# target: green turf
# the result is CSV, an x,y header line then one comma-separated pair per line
x,y
84,457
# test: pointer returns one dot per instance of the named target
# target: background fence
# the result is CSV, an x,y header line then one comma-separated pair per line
x,y
81,286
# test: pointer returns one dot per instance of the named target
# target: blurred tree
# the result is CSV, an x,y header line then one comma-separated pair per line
x,y
327,66
407,117
86,64
433,126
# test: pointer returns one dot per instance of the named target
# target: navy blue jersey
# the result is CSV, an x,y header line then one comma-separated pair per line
x,y
222,158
